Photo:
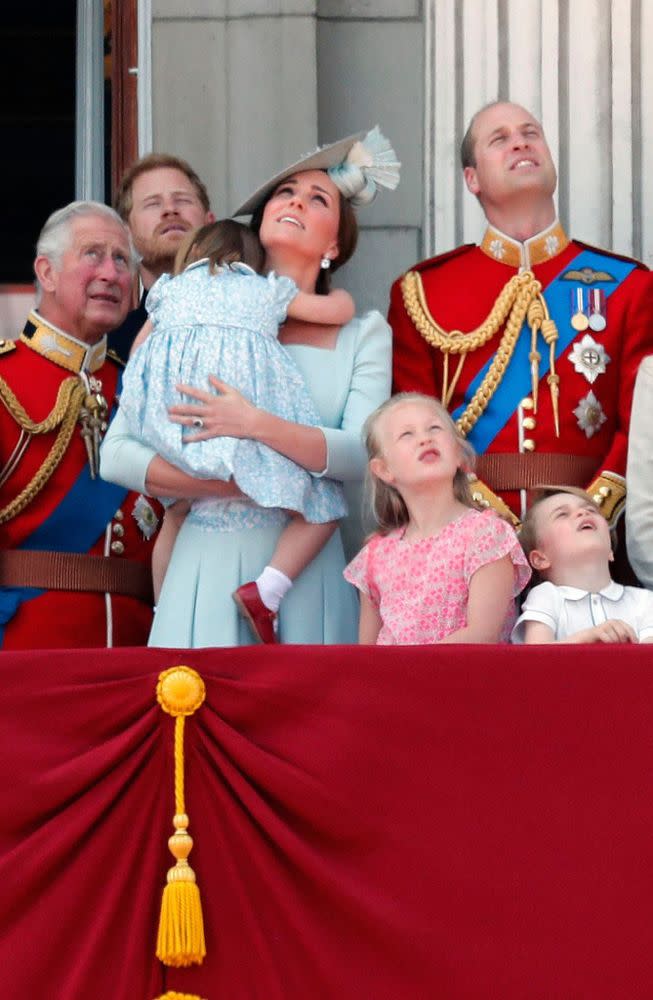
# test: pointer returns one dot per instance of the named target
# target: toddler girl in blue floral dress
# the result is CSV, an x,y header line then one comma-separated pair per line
x,y
219,316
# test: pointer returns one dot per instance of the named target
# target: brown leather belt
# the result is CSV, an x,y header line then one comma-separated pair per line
x,y
75,571
524,471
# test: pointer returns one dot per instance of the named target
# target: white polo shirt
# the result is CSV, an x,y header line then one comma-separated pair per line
x,y
567,610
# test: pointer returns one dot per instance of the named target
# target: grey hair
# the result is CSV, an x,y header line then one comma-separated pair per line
x,y
56,236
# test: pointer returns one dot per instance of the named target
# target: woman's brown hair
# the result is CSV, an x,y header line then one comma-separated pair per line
x,y
347,239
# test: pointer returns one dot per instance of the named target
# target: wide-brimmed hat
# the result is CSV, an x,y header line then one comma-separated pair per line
x,y
358,165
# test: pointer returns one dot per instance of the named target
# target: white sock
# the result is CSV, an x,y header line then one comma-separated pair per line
x,y
273,585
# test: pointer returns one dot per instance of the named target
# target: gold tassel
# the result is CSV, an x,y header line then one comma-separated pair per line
x,y
550,334
173,995
180,942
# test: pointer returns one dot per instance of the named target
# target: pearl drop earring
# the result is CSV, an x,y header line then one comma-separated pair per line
x,y
325,263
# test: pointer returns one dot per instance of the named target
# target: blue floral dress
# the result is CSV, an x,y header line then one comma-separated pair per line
x,y
226,324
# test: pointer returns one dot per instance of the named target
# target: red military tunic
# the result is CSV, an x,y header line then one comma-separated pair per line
x,y
460,289
33,370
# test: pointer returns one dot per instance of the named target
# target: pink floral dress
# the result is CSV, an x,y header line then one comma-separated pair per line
x,y
421,588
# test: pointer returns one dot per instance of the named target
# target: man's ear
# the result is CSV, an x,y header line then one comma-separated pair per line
x,y
379,469
471,180
45,272
538,560
209,217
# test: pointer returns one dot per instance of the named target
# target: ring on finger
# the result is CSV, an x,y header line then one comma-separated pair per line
x,y
198,422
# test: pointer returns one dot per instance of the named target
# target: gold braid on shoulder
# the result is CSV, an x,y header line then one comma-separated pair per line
x,y
520,299
63,415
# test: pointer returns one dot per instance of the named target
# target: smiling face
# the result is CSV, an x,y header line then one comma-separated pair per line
x,y
165,206
302,216
417,445
569,530
511,157
89,293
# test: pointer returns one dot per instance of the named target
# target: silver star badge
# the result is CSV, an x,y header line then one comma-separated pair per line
x,y
589,414
589,358
146,519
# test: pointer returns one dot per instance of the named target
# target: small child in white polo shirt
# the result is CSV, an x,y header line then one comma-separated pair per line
x,y
567,541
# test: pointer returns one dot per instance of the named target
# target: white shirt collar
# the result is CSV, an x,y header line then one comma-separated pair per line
x,y
613,592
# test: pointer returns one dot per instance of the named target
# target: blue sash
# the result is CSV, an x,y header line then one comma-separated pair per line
x,y
73,526
516,382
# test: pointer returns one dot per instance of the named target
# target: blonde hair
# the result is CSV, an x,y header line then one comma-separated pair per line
x,y
223,242
385,501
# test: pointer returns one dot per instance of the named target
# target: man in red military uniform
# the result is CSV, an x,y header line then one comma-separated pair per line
x,y
531,339
74,550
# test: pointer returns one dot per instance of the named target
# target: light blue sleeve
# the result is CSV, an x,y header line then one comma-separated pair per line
x,y
283,291
369,387
123,459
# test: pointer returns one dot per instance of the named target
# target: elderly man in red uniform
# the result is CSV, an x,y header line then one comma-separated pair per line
x,y
74,550
531,339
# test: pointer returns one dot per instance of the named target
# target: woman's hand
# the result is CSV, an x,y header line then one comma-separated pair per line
x,y
227,414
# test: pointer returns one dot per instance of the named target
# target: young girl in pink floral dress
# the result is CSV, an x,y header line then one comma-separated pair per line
x,y
439,569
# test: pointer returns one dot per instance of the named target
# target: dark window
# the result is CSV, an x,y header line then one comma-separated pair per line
x,y
37,124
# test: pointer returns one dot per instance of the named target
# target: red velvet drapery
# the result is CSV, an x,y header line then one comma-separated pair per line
x,y
370,824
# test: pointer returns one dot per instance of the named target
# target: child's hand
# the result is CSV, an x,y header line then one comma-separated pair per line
x,y
610,631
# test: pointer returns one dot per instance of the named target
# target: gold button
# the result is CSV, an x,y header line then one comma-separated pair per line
x,y
526,403
529,423
118,530
117,548
598,499
605,491
118,516
529,444
477,497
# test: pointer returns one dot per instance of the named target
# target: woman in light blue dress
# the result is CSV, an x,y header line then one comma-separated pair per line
x,y
218,315
301,216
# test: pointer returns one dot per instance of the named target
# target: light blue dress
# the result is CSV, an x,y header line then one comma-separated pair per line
x,y
196,608
225,323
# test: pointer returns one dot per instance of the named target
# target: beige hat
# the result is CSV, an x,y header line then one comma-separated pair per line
x,y
357,165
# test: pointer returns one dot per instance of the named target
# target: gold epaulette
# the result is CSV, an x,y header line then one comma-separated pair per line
x,y
608,490
7,346
485,497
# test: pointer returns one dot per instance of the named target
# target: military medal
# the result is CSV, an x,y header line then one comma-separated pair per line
x,y
589,358
93,418
597,320
579,319
589,414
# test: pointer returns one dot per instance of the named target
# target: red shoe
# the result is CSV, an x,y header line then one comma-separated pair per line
x,y
262,621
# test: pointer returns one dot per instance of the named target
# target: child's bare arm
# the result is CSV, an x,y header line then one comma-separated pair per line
x,y
369,624
141,336
333,309
490,594
610,631
537,633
